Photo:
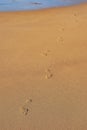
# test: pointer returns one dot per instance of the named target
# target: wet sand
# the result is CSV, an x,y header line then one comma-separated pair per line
x,y
43,69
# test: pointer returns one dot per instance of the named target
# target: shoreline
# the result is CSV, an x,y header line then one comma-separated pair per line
x,y
49,8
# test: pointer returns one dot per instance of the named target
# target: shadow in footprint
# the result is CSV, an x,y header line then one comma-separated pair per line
x,y
45,53
60,39
48,74
26,108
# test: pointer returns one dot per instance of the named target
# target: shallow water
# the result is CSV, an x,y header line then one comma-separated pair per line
x,y
14,5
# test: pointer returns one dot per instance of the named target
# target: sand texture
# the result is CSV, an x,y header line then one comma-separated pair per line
x,y
43,69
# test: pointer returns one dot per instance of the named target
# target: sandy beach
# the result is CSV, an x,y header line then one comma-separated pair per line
x,y
43,69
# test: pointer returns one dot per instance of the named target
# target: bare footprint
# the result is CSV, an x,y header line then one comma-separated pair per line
x,y
75,14
45,53
26,108
48,74
76,17
60,39
62,29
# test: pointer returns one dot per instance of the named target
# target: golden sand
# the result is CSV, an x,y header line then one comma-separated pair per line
x,y
43,69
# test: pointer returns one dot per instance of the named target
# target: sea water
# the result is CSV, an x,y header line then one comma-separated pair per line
x,y
15,5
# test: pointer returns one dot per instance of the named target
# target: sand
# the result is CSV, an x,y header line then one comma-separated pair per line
x,y
43,69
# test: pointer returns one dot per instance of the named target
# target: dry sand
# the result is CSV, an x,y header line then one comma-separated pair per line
x,y
43,69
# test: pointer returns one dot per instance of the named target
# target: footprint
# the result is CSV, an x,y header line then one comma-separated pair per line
x,y
62,29
76,17
75,14
48,74
26,108
60,39
45,53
